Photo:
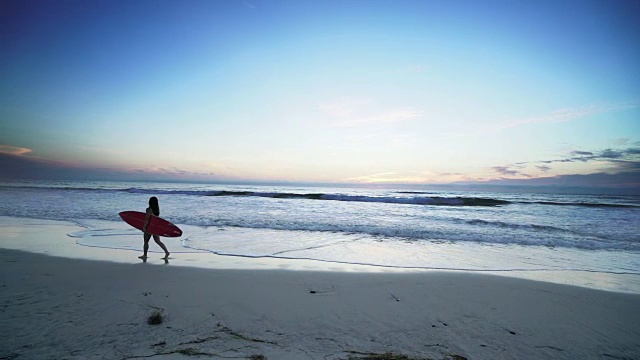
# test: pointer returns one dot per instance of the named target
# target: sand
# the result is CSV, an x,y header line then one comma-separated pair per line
x,y
56,307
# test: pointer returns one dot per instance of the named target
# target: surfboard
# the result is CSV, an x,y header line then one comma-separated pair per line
x,y
157,225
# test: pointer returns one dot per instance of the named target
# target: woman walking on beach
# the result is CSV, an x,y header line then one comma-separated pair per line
x,y
153,209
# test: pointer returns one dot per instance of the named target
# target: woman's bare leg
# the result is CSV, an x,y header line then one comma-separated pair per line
x,y
146,238
156,238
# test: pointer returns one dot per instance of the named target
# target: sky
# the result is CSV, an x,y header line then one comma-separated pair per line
x,y
373,92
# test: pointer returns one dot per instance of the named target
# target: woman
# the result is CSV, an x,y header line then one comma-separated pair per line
x,y
153,209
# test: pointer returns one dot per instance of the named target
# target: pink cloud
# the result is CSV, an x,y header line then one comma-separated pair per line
x,y
13,150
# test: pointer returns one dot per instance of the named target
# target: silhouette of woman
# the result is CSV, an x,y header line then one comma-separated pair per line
x,y
153,209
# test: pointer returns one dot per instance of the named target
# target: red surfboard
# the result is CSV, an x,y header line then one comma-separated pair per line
x,y
157,225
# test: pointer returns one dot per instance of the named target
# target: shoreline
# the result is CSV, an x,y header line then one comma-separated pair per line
x,y
77,302
51,237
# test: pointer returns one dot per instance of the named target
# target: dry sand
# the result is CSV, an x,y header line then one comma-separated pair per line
x,y
55,308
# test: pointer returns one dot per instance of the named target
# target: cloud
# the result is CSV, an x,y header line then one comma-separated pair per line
x,y
621,141
624,182
610,162
17,166
23,167
627,166
611,154
12,150
505,170
581,153
379,177
628,153
393,116
356,111
345,107
411,177
564,115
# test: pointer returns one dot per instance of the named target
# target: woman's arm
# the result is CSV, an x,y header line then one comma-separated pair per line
x,y
146,220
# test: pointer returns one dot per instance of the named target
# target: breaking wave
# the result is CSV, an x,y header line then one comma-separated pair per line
x,y
405,197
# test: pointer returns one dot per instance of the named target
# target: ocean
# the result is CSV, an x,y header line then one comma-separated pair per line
x,y
587,240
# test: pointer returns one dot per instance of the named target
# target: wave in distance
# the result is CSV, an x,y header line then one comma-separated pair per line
x,y
409,200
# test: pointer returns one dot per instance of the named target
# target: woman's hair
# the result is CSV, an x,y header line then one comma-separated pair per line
x,y
153,204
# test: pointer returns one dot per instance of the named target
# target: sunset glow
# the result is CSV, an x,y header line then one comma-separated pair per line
x,y
327,91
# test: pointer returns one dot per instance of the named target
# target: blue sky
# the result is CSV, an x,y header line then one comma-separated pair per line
x,y
327,91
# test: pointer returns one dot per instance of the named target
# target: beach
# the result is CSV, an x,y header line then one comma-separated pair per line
x,y
60,300
331,180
